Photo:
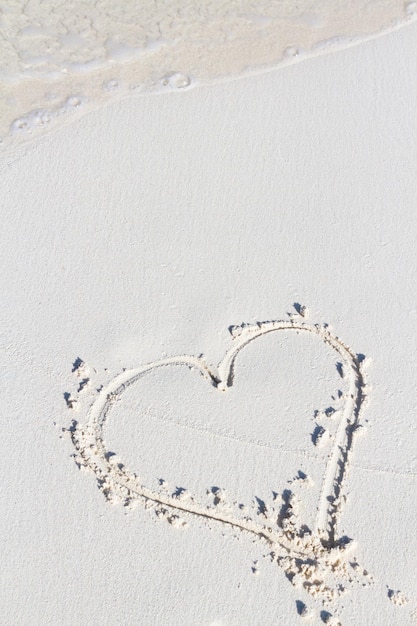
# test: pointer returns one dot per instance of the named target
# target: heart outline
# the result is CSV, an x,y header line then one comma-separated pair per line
x,y
92,453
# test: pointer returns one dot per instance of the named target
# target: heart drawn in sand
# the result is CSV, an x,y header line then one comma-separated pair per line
x,y
286,535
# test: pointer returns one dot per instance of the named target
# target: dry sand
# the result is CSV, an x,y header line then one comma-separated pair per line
x,y
209,353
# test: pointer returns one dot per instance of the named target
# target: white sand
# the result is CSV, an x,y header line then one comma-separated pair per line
x,y
140,234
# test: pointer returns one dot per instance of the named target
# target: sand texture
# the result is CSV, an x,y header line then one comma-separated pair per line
x,y
208,340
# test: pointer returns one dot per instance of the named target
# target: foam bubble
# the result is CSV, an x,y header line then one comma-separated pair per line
x,y
39,118
176,80
111,85
291,52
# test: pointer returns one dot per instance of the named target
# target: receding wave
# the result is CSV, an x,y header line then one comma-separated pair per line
x,y
58,62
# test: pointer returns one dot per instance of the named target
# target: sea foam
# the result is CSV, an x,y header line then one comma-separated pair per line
x,y
58,64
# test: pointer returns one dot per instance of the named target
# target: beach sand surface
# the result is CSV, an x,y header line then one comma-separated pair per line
x,y
208,348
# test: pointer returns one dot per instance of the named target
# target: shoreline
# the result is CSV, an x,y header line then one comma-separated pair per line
x,y
40,100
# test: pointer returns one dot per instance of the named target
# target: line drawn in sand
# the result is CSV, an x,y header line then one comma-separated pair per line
x,y
314,559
